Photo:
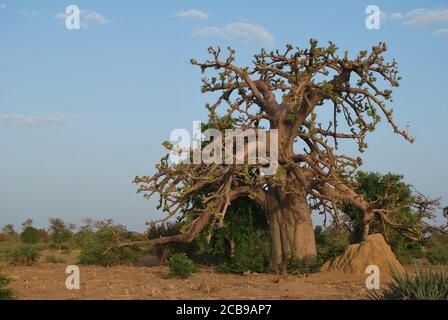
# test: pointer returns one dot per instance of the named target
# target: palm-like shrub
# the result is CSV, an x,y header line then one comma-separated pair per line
x,y
425,285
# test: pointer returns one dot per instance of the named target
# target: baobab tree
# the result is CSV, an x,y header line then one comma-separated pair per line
x,y
314,97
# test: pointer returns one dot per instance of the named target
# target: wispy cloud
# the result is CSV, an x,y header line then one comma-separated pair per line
x,y
95,16
20,120
441,32
192,13
426,17
241,30
3,6
396,16
60,16
33,13
91,16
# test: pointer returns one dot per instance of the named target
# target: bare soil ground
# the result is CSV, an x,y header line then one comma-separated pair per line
x,y
47,281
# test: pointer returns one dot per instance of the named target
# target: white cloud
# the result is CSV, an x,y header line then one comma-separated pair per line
x,y
2,6
19,120
92,16
60,16
426,17
33,13
241,30
441,32
193,13
396,16
95,16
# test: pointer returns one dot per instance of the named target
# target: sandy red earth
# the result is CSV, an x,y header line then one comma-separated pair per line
x,y
47,281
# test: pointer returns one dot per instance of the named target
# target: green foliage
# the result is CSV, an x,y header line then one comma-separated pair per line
x,y
437,249
24,254
181,265
242,244
85,230
390,192
425,285
406,251
53,259
296,266
9,231
250,255
330,242
5,292
93,250
167,229
59,232
30,235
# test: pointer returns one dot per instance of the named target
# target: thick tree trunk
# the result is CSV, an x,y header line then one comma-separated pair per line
x,y
291,229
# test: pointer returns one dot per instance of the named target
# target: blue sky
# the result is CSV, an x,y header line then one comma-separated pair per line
x,y
84,111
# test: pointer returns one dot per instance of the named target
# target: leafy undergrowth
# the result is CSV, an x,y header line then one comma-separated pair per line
x,y
5,292
181,265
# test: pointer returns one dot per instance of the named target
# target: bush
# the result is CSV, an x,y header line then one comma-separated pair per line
x,y
30,235
437,249
53,259
59,233
425,285
394,194
93,250
5,292
181,265
251,254
242,244
330,242
167,229
24,254
298,266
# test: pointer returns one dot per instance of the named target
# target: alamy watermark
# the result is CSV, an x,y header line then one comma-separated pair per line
x,y
73,280
229,146
72,17
373,280
373,19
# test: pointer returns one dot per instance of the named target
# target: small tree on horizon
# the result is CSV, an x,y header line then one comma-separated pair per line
x,y
59,232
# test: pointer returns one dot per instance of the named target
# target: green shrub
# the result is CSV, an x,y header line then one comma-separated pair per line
x,y
53,259
93,250
242,244
251,254
425,285
30,235
296,266
59,233
394,194
5,292
330,242
40,246
78,238
5,252
181,265
24,254
437,250
167,229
